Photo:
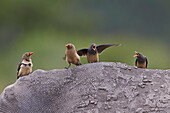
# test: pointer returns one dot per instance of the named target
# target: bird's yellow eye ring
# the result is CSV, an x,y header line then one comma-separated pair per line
x,y
28,54
70,45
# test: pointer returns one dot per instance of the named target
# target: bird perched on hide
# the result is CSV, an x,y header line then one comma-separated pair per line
x,y
25,65
71,56
93,51
141,60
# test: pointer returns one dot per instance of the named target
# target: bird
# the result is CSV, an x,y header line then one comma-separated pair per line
x,y
71,56
141,60
93,51
25,65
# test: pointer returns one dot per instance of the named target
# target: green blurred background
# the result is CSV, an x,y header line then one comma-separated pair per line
x,y
46,26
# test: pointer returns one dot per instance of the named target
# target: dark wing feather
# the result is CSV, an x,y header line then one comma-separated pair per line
x,y
100,48
82,52
146,62
136,62
19,67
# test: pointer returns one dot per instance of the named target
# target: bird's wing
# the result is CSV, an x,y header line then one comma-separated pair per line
x,y
100,48
18,69
146,62
136,62
82,52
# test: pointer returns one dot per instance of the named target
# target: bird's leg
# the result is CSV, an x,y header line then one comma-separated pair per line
x,y
68,66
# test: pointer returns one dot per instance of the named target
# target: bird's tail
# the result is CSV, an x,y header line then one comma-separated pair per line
x,y
64,58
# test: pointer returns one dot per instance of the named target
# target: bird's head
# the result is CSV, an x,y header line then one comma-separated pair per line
x,y
138,54
69,46
27,55
93,47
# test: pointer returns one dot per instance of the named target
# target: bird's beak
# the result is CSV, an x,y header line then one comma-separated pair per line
x,y
136,54
31,53
94,47
66,45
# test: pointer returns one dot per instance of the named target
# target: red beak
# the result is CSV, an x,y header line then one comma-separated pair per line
x,y
94,47
136,54
66,45
31,53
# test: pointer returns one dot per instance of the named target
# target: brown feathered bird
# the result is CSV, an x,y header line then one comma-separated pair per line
x,y
71,56
25,65
93,51
141,60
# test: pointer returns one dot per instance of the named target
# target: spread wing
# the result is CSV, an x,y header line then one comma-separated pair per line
x,y
82,52
100,48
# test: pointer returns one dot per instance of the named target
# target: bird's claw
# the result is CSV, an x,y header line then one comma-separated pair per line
x,y
66,67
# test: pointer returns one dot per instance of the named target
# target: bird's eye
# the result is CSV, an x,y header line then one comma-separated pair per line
x,y
28,54
70,45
